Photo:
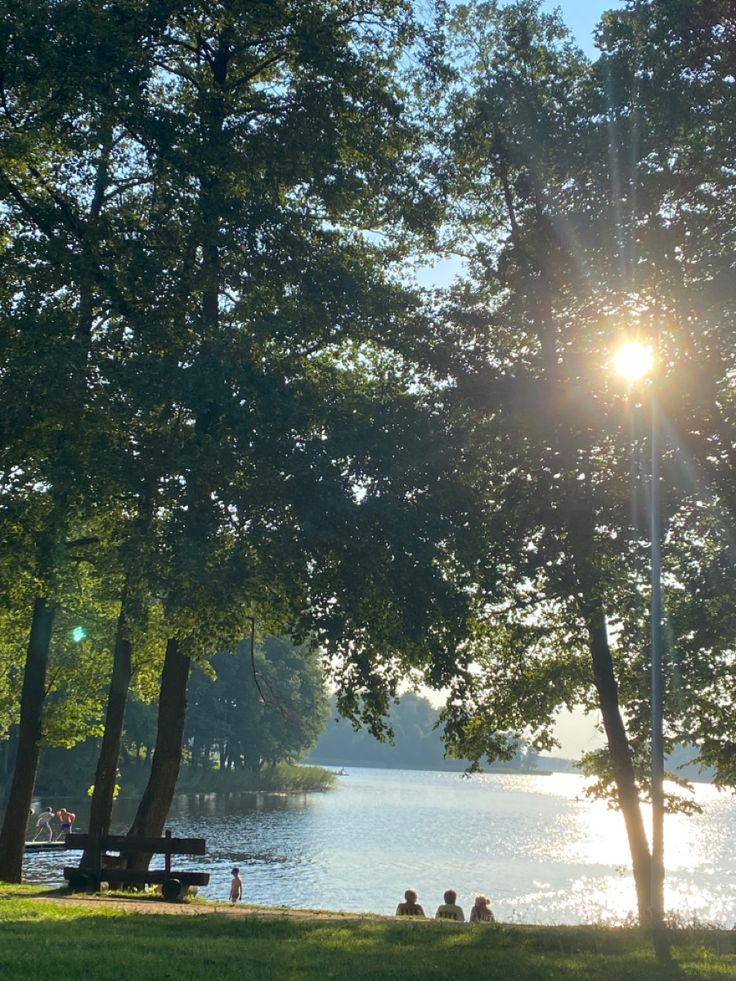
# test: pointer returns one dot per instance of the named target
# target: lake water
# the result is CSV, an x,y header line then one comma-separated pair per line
x,y
534,844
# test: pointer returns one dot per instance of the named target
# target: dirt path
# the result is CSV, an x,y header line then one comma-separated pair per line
x,y
158,906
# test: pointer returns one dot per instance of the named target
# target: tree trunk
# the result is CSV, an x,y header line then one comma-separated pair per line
x,y
156,801
103,794
582,540
13,833
623,767
132,601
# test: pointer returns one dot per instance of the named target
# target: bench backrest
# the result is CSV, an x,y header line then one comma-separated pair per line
x,y
158,846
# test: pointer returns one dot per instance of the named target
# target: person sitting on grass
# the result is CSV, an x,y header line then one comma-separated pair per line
x,y
481,911
411,907
449,910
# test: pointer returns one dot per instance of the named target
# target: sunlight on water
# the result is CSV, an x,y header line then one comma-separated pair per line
x,y
597,834
535,844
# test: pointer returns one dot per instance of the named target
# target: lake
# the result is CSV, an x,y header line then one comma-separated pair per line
x,y
534,844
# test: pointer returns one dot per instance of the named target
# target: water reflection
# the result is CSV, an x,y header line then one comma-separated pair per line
x,y
541,850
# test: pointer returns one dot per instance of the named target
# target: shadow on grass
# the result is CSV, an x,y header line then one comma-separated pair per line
x,y
70,944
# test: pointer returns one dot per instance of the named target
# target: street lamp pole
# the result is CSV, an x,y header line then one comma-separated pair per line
x,y
634,361
657,684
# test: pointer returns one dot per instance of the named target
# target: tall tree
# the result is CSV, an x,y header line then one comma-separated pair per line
x,y
246,397
285,129
578,194
526,148
56,232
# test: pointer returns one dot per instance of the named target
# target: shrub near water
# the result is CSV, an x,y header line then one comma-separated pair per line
x,y
289,778
283,778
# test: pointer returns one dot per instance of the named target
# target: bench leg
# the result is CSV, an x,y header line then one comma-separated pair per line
x,y
82,882
172,890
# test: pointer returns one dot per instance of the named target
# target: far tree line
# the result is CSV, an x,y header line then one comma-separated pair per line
x,y
226,401
416,743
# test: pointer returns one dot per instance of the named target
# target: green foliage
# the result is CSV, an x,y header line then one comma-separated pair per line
x,y
115,794
256,713
284,778
219,399
597,765
578,193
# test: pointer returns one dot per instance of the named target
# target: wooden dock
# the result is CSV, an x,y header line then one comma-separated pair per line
x,y
44,846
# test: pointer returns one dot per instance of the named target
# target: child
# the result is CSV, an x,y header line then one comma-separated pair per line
x,y
236,887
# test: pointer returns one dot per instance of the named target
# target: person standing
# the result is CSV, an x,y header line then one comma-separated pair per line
x,y
236,887
67,819
44,822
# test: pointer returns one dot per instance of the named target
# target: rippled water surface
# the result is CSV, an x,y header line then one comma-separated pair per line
x,y
533,843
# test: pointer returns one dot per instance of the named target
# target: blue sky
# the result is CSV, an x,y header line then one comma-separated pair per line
x,y
581,16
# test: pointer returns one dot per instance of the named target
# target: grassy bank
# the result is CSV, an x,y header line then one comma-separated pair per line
x,y
283,778
67,941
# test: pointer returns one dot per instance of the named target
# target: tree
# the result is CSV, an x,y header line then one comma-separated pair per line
x,y
57,170
526,148
260,712
668,69
245,396
578,196
300,367
160,183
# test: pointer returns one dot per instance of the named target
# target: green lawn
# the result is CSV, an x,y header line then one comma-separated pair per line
x,y
60,942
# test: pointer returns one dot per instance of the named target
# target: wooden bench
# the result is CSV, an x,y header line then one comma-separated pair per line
x,y
173,884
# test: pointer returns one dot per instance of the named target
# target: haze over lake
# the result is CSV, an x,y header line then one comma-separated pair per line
x,y
533,843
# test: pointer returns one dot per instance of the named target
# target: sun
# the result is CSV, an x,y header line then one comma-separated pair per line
x,y
633,360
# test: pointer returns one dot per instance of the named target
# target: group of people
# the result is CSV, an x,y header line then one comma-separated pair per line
x,y
449,910
45,818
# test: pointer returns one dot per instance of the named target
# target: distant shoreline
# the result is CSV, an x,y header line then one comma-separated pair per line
x,y
429,769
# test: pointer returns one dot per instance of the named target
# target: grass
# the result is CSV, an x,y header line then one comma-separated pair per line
x,y
67,941
284,778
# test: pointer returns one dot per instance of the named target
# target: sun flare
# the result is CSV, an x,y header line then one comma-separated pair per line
x,y
633,360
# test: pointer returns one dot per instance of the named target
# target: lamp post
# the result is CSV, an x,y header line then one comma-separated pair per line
x,y
635,361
